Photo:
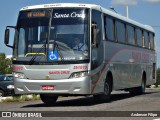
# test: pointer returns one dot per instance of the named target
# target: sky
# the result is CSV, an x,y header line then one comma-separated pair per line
x,y
143,11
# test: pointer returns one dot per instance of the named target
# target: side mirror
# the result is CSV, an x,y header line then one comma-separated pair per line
x,y
94,35
6,37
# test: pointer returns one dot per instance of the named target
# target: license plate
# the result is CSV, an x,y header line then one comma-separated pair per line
x,y
48,87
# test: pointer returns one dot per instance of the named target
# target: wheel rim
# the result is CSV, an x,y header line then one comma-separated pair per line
x,y
106,89
143,86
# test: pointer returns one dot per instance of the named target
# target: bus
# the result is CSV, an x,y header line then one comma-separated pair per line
x,y
119,53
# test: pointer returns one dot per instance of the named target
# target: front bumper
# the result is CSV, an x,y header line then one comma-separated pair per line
x,y
76,86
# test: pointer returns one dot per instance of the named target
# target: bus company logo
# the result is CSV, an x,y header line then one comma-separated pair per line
x,y
59,72
140,57
22,114
6,114
71,15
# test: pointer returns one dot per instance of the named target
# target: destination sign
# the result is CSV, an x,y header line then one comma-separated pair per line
x,y
36,14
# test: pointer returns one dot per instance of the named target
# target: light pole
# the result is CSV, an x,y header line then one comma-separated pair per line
x,y
127,14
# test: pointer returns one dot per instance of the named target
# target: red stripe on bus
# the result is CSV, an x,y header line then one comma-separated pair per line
x,y
108,63
105,67
99,76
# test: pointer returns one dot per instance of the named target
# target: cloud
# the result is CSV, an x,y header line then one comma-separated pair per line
x,y
124,2
153,1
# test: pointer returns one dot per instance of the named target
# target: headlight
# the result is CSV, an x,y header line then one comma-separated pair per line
x,y
79,74
10,87
18,75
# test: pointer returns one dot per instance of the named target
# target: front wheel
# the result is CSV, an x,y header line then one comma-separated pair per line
x,y
48,99
105,97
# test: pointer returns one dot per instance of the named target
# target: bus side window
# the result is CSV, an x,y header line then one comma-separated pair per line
x,y
109,28
121,33
151,40
139,37
146,39
130,35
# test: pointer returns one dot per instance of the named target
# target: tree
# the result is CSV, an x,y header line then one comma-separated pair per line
x,y
5,64
158,77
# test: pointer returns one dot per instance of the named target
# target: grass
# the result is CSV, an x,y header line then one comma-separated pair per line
x,y
157,88
22,98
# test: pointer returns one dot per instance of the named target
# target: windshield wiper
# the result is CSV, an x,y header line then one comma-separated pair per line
x,y
34,56
54,47
58,49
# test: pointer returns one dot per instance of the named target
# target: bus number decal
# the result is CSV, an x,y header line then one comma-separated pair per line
x,y
17,68
80,67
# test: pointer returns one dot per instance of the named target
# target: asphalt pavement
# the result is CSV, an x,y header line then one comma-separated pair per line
x,y
122,106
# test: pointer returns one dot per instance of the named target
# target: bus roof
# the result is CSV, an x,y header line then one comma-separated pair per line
x,y
92,6
61,5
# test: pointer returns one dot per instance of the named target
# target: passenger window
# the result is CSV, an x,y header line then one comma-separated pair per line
x,y
139,37
130,35
121,33
109,29
151,38
146,39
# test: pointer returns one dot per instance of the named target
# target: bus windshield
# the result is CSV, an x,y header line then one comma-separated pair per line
x,y
52,35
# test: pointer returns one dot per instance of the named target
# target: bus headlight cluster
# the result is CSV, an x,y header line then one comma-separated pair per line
x,y
79,74
19,75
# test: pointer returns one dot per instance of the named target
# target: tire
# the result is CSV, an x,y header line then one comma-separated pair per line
x,y
139,90
142,88
2,94
48,99
105,97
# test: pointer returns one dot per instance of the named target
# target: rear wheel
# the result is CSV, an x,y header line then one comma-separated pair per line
x,y
139,90
48,99
142,88
105,97
2,93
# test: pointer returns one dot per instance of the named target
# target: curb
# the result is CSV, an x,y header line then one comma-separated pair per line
x,y
4,98
30,97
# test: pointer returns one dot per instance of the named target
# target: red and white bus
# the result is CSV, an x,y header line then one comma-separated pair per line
x,y
115,53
